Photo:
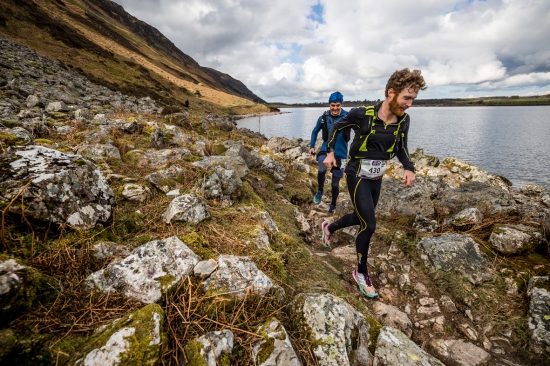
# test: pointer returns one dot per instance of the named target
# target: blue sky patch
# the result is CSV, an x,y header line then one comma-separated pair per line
x,y
317,13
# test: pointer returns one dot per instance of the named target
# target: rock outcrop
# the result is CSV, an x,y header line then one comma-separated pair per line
x,y
237,276
210,349
134,339
395,348
275,348
457,352
188,208
148,272
340,333
18,285
456,252
514,239
59,188
539,311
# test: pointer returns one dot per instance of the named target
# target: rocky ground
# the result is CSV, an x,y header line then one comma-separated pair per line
x,y
134,234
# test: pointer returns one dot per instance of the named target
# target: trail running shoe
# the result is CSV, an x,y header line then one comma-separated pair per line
x,y
325,236
331,208
317,197
364,281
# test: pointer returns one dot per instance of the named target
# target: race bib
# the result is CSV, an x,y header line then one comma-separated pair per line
x,y
372,169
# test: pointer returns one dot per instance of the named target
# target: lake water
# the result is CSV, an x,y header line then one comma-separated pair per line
x,y
509,141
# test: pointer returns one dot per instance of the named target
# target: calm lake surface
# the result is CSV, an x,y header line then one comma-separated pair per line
x,y
513,142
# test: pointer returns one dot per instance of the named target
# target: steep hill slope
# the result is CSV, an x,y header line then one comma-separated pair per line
x,y
111,47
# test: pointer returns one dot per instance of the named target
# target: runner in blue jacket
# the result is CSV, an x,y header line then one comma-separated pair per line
x,y
324,123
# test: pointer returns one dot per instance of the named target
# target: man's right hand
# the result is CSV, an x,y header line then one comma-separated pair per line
x,y
311,151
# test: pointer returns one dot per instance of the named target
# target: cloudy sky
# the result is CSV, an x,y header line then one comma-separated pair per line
x,y
302,50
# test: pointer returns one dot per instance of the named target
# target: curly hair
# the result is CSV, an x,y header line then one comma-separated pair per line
x,y
406,79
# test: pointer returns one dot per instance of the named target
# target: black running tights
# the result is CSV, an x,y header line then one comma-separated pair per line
x,y
335,183
364,195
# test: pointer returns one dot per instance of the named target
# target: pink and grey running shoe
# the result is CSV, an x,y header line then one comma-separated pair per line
x,y
325,236
364,281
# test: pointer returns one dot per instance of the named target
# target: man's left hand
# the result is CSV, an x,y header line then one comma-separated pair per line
x,y
408,177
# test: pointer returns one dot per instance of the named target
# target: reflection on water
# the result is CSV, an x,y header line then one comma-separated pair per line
x,y
508,141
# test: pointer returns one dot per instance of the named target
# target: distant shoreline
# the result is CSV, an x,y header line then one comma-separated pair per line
x,y
413,106
477,102
250,115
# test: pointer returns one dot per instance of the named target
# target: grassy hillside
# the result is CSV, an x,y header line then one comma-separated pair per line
x,y
114,49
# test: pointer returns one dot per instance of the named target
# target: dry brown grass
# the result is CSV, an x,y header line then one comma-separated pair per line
x,y
190,313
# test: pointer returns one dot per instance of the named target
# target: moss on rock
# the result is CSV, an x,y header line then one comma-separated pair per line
x,y
24,349
22,299
266,349
218,149
199,245
193,353
9,139
132,340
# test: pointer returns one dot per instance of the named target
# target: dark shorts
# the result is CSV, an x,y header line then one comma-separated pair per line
x,y
336,171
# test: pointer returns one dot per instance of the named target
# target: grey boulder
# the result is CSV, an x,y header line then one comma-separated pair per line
x,y
466,217
273,168
220,182
340,333
99,151
457,252
25,137
167,179
392,316
457,352
135,192
17,286
104,250
238,275
279,144
203,269
148,272
265,219
394,348
134,339
252,158
159,158
63,188
56,107
515,239
275,348
425,224
489,200
188,208
235,163
539,310
396,201
209,348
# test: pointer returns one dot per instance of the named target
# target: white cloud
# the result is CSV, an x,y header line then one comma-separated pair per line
x,y
462,47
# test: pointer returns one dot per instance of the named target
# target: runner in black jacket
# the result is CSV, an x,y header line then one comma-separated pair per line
x,y
380,134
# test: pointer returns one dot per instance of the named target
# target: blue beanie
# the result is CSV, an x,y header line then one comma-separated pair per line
x,y
336,97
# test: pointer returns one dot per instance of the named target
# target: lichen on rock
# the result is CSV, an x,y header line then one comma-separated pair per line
x,y
275,347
